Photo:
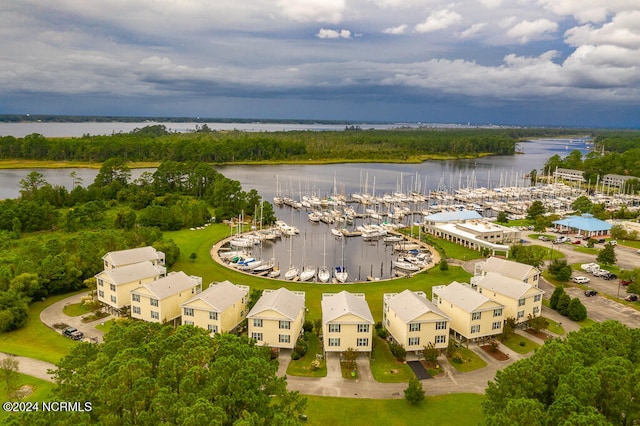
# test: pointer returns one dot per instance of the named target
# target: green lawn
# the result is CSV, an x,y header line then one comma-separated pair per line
x,y
36,340
453,250
76,309
556,328
302,366
514,341
41,391
384,366
443,410
470,361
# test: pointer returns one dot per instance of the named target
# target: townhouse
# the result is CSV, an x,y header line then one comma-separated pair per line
x,y
516,270
347,322
117,259
276,319
114,285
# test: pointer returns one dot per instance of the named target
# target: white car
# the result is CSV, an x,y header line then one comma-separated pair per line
x,y
580,280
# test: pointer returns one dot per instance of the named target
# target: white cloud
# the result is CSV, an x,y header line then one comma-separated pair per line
x,y
473,30
528,30
400,29
329,11
623,30
438,20
491,4
333,34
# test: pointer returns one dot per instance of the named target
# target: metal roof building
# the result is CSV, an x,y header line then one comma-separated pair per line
x,y
586,225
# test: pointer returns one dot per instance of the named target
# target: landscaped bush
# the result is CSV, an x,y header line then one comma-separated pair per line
x,y
399,352
307,326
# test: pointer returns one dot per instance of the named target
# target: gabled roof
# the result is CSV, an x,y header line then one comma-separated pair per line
x,y
174,283
282,301
135,255
221,295
337,305
508,268
586,222
130,273
410,305
462,296
509,287
453,216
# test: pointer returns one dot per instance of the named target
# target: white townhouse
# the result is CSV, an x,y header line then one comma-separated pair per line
x,y
276,319
346,322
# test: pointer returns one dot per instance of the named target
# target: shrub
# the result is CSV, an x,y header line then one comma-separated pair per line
x,y
398,351
553,301
576,310
295,355
563,304
414,392
301,347
382,333
307,326
430,353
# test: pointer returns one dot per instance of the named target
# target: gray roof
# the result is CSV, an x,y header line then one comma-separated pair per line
x,y
462,296
135,255
221,295
508,268
131,273
336,305
281,300
510,287
408,306
174,283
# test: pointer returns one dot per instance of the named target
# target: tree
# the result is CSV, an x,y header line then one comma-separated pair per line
x,y
193,256
563,304
508,328
607,255
555,297
502,217
537,323
576,311
443,265
414,392
147,373
536,209
560,269
618,232
533,175
14,308
9,367
582,204
586,378
430,352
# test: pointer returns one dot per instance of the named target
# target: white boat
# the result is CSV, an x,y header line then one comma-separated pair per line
x,y
341,274
405,266
264,266
324,275
275,273
336,233
292,273
308,273
392,239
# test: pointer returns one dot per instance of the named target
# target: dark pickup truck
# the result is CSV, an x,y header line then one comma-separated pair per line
x,y
72,333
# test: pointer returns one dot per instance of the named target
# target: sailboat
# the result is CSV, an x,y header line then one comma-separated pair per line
x,y
293,271
340,272
324,275
308,272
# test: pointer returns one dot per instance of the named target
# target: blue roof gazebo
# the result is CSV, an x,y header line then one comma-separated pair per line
x,y
585,224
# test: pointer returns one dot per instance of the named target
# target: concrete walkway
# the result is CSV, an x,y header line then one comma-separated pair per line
x,y
54,314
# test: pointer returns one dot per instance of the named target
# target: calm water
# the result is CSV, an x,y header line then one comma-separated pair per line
x,y
315,244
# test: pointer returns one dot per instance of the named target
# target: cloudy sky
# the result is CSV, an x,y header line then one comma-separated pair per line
x,y
530,62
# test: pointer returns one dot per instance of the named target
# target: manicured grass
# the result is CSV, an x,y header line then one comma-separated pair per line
x,y
586,250
554,327
514,341
200,242
76,309
586,322
349,370
471,361
302,366
453,250
41,391
384,366
105,326
443,410
36,340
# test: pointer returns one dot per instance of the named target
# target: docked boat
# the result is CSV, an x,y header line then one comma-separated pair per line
x,y
324,275
275,273
308,273
341,274
405,266
292,273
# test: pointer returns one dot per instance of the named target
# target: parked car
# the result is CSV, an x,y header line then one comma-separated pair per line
x,y
544,238
638,251
610,276
560,240
581,280
576,242
72,333
613,242
590,293
631,298
624,282
600,272
602,241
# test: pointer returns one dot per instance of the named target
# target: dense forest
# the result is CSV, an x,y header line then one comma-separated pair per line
x,y
155,143
52,239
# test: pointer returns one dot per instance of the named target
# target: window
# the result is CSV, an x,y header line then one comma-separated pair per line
x,y
362,341
497,312
256,336
536,309
363,328
414,326
188,323
154,302
100,282
284,325
334,341
520,314
441,325
496,325
476,316
521,302
135,297
414,341
112,287
212,328
257,322
188,312
101,294
284,338
213,316
155,315
441,339
475,329
113,299
334,328
136,309
537,297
